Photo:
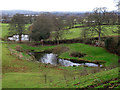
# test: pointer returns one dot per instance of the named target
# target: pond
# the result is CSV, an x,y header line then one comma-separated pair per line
x,y
24,37
50,58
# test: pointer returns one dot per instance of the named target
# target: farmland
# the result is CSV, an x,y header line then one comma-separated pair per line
x,y
20,71
67,34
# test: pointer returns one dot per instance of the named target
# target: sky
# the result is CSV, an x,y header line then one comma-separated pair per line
x,y
57,5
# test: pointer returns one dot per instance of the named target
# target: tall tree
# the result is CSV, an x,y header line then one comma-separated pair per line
x,y
17,25
58,23
41,28
71,21
97,19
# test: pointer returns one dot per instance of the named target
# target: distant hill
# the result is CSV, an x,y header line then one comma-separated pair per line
x,y
12,12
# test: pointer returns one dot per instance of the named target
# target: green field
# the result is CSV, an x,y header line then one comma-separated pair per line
x,y
76,32
20,73
24,73
5,30
92,53
67,34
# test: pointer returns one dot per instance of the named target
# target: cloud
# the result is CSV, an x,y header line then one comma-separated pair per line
x,y
56,5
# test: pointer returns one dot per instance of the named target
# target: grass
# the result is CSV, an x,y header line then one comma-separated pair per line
x,y
28,47
21,69
76,32
21,73
5,31
92,53
67,34
36,80
111,84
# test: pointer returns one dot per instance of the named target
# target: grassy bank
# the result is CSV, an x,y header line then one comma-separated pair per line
x,y
19,73
36,80
92,53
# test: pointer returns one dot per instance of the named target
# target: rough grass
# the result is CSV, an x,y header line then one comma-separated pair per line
x,y
19,73
28,72
92,53
110,84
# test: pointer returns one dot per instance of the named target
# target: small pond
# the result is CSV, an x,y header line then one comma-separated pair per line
x,y
50,58
16,37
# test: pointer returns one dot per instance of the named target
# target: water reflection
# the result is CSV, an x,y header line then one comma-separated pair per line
x,y
49,58
52,59
16,37
68,63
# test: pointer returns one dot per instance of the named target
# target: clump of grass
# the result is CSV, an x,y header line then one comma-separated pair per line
x,y
19,48
60,49
77,54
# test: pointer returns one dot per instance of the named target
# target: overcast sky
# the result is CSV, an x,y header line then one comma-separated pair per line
x,y
56,5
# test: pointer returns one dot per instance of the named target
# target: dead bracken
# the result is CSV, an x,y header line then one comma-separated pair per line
x,y
77,54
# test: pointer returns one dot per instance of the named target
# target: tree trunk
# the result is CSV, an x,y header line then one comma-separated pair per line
x,y
99,38
99,33
58,42
20,38
29,39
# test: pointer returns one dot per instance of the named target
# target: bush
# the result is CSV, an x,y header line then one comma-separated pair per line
x,y
87,41
113,45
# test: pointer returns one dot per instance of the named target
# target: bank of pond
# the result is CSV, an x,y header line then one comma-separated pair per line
x,y
75,54
51,58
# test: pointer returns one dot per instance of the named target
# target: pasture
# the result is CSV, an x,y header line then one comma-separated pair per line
x,y
23,73
20,73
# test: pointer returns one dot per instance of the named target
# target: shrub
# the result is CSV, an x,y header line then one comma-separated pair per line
x,y
87,41
113,45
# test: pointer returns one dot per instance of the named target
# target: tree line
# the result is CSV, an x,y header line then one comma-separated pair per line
x,y
44,24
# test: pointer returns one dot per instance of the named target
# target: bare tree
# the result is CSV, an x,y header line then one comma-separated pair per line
x,y
58,27
71,21
97,19
80,19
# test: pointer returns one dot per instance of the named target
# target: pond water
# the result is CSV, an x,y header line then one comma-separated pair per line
x,y
50,58
24,37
